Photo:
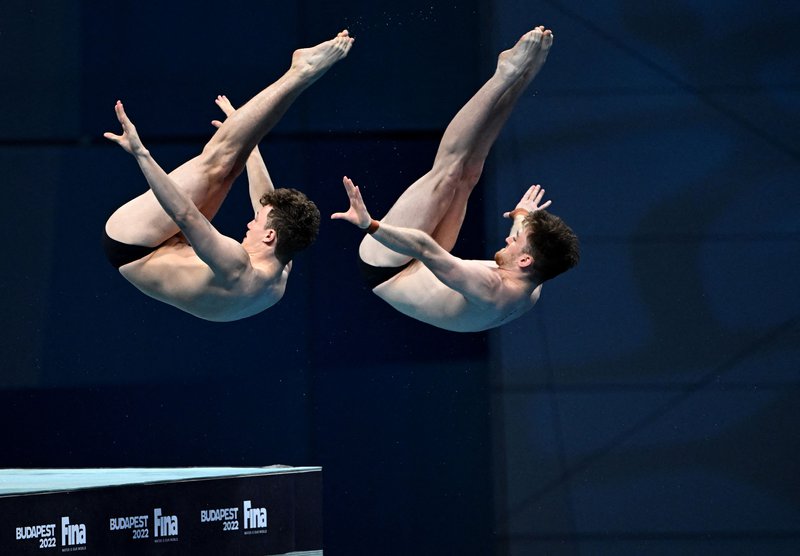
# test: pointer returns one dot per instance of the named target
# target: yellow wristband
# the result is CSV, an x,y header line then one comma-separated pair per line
x,y
517,211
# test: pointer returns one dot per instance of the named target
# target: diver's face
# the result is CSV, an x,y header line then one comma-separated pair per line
x,y
515,247
259,223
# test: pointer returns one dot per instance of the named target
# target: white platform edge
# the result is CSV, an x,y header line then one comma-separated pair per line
x,y
33,481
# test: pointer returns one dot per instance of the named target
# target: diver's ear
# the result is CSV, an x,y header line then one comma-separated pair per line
x,y
525,260
270,236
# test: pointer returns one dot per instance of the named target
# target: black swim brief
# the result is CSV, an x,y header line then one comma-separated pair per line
x,y
120,254
374,276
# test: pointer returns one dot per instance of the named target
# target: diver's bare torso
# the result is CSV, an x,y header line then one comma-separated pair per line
x,y
416,292
175,275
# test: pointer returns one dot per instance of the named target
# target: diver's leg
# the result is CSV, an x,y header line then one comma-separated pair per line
x,y
437,202
208,177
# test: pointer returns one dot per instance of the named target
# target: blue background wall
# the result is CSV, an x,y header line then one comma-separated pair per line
x,y
648,404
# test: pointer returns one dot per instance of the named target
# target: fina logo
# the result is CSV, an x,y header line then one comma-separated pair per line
x,y
72,535
165,525
254,518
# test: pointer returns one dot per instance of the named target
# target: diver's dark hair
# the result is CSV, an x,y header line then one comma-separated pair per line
x,y
552,244
295,219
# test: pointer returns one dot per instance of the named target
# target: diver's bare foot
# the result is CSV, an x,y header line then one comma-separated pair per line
x,y
313,62
526,57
